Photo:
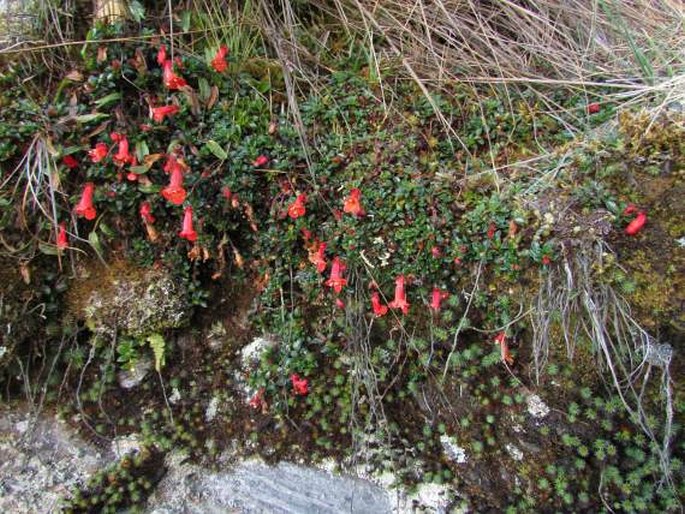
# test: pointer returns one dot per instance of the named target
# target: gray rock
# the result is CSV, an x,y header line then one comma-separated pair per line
x,y
130,378
253,487
40,461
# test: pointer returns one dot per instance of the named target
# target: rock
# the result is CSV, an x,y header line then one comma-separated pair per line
x,y
40,461
130,378
252,353
254,487
212,409
536,407
126,445
514,452
124,299
454,452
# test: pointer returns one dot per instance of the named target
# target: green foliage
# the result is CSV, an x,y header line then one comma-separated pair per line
x,y
158,345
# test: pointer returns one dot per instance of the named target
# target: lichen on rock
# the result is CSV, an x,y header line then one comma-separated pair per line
x,y
125,299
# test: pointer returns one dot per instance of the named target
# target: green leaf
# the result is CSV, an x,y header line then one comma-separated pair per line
x,y
139,170
150,188
157,344
141,150
107,230
106,100
185,20
205,90
218,152
71,150
137,11
88,118
47,249
94,241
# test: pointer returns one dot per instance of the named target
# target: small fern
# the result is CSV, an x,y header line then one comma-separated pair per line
x,y
157,344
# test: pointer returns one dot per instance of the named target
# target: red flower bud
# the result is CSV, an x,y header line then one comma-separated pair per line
x,y
161,55
378,309
62,240
260,161
501,340
491,230
70,162
146,213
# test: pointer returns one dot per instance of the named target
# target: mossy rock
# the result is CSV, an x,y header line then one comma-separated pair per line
x,y
129,300
19,320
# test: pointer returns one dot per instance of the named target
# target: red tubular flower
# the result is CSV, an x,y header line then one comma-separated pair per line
x,y
339,303
188,232
62,241
353,203
318,257
336,280
378,309
161,55
85,206
297,208
593,108
400,300
98,153
226,192
171,80
123,156
300,385
501,340
70,162
219,62
260,161
436,298
146,213
546,260
172,163
174,192
636,225
159,113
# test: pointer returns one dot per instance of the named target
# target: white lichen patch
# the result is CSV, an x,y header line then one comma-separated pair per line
x,y
212,409
536,407
514,452
126,445
454,452
428,498
175,396
252,353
